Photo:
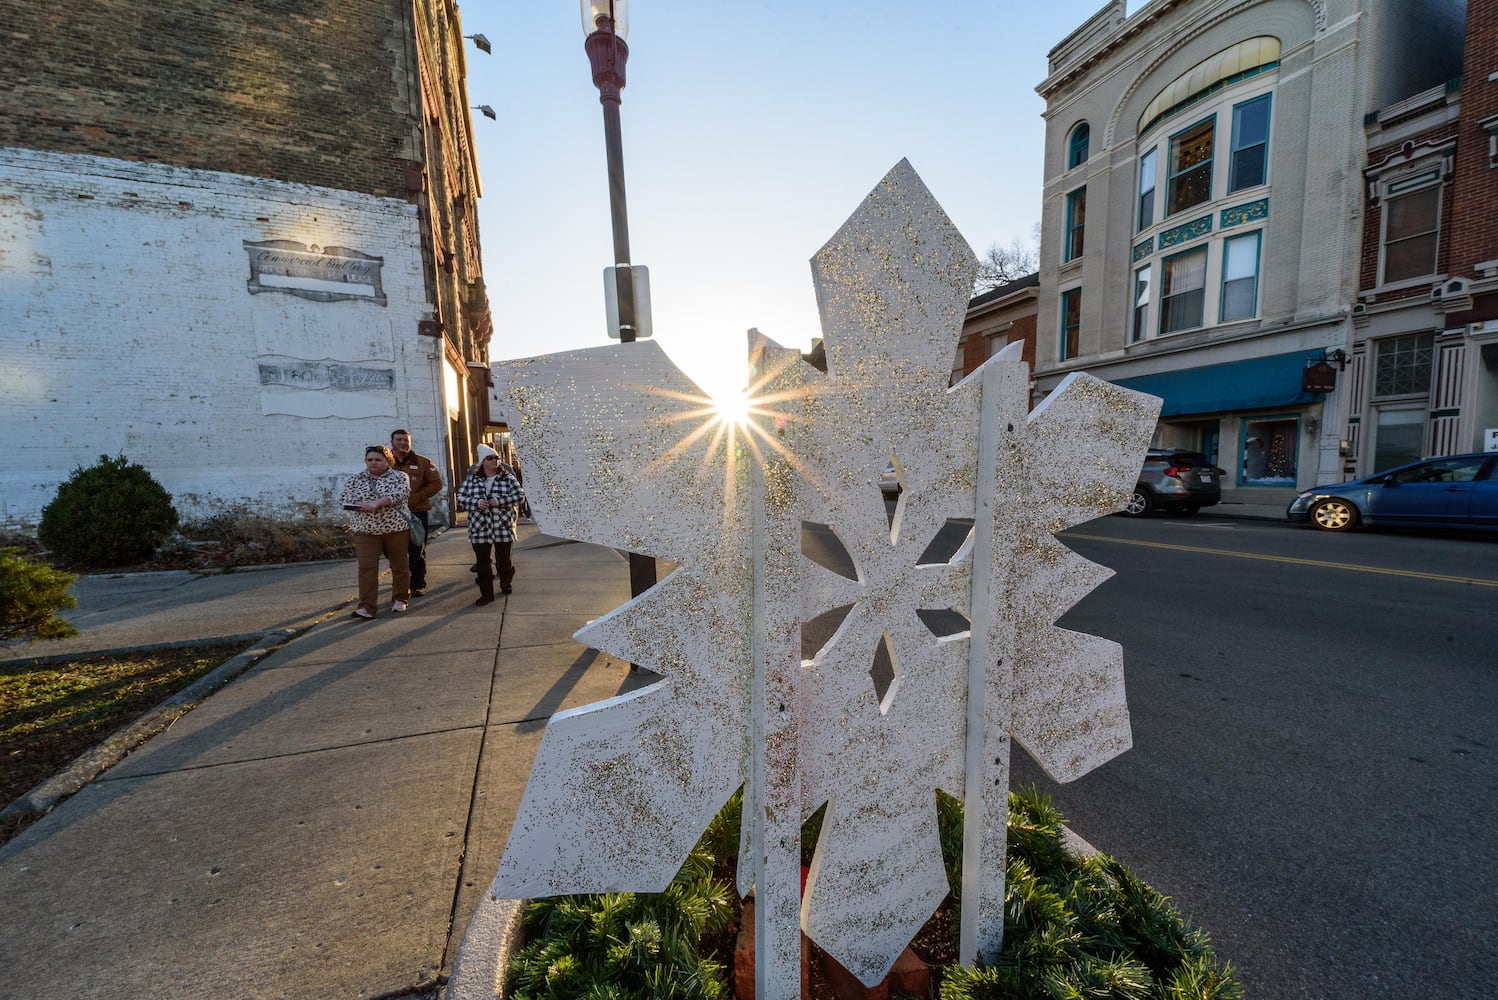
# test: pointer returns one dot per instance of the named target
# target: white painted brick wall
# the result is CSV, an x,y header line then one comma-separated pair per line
x,y
126,327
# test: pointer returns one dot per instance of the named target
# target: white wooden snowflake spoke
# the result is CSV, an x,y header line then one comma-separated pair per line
x,y
943,654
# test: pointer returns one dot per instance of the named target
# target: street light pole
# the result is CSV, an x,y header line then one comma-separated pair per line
x,y
606,23
607,54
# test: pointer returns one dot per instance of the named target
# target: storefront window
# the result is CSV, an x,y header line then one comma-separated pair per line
x,y
1270,451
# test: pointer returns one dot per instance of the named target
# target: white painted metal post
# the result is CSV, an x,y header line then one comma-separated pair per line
x,y
986,774
775,776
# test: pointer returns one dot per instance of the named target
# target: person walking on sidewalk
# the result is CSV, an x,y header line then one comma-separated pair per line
x,y
492,498
426,482
376,502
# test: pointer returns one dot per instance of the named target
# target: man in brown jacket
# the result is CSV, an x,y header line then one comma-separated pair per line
x,y
426,482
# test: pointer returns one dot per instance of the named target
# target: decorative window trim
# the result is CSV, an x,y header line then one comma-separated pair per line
x,y
1186,231
1394,171
1143,250
1252,211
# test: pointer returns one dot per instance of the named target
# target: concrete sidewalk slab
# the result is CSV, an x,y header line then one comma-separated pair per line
x,y
295,708
540,628
315,875
324,825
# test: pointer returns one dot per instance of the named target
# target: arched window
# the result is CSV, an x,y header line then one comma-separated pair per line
x,y
1076,151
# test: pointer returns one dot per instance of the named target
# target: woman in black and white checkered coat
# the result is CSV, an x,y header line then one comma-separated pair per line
x,y
492,498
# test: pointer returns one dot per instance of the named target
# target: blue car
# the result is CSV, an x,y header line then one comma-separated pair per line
x,y
1458,491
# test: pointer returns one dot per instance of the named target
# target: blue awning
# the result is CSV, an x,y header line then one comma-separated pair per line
x,y
1251,384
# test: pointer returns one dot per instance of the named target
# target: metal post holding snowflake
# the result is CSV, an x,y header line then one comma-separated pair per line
x,y
621,790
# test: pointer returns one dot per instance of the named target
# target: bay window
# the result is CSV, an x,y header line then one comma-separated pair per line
x,y
1248,166
1190,167
1183,285
1240,277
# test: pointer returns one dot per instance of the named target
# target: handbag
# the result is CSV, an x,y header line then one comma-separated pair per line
x,y
418,530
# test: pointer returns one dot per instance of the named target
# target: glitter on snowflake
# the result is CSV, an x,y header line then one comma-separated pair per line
x,y
621,451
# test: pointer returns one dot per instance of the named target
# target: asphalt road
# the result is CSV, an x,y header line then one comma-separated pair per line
x,y
1314,777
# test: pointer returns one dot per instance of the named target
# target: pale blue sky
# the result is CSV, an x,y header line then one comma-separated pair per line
x,y
751,131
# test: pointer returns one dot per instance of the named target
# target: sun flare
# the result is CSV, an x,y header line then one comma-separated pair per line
x,y
732,407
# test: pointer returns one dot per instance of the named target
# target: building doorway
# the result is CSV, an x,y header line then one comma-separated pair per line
x,y
1398,435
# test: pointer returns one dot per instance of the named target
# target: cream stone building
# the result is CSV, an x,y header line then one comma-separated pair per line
x,y
1203,206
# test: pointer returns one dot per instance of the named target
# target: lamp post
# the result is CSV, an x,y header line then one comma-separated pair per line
x,y
605,25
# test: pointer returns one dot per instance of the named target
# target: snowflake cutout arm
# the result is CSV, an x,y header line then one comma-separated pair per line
x,y
621,790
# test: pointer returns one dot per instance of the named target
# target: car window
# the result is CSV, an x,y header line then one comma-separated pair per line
x,y
1448,470
1193,458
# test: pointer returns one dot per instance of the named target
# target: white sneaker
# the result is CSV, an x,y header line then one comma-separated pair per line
x,y
398,606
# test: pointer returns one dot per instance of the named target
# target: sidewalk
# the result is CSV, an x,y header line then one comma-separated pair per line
x,y
323,826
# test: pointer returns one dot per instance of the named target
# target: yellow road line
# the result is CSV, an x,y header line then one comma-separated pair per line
x,y
1475,581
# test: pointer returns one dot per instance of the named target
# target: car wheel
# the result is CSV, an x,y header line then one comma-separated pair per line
x,y
1334,515
1141,504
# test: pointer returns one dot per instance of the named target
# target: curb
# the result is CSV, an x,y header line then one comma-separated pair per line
x,y
492,936
48,659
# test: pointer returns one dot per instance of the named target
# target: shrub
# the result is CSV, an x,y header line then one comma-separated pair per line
x,y
110,514
238,534
1074,927
30,594
1079,926
635,946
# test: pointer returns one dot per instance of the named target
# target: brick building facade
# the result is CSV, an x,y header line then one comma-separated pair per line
x,y
1423,369
239,242
995,319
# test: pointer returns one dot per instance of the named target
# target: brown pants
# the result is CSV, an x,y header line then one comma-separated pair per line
x,y
367,549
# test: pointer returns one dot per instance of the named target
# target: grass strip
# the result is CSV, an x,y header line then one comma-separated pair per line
x,y
50,713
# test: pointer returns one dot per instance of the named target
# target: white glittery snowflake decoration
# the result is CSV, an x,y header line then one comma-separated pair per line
x,y
622,450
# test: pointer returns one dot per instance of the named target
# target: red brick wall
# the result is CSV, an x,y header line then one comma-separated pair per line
x,y
1024,329
1475,211
974,352
1373,219
302,92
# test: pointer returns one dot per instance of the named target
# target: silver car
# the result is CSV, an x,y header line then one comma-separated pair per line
x,y
1174,480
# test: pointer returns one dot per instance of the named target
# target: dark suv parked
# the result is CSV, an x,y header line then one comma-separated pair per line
x,y
1182,482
